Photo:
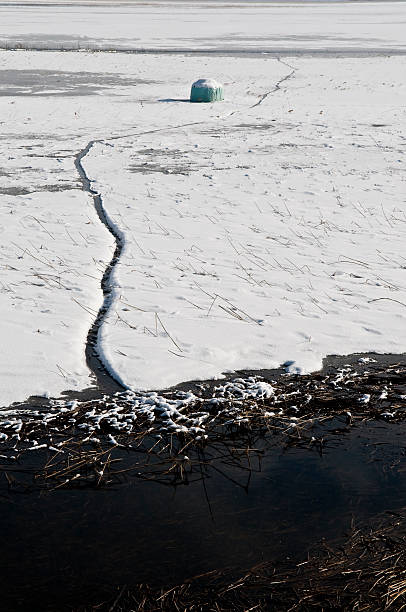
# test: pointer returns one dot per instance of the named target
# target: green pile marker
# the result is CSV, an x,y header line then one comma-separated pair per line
x,y
206,90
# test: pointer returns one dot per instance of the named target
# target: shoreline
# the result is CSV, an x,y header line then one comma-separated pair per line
x,y
191,415
105,383
306,52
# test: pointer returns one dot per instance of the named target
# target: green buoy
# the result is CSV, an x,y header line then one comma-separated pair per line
x,y
206,90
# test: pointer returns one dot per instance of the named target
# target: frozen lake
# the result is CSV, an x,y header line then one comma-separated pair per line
x,y
288,195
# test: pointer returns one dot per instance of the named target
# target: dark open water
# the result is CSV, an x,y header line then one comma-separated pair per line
x,y
63,549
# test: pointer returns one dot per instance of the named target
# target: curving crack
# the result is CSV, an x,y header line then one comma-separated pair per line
x,y
104,378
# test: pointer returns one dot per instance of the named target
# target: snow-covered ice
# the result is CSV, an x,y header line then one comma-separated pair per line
x,y
54,250
273,233
264,229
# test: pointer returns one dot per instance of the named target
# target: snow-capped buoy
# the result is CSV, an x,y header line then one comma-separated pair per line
x,y
206,90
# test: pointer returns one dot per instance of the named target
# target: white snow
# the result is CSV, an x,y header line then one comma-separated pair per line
x,y
206,84
364,399
269,230
49,243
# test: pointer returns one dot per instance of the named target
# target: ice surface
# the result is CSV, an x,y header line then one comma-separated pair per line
x,y
53,248
241,26
269,230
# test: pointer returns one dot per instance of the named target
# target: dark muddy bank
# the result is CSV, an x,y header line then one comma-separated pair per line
x,y
359,362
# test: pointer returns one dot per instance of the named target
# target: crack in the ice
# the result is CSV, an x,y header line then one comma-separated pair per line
x,y
104,378
278,84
